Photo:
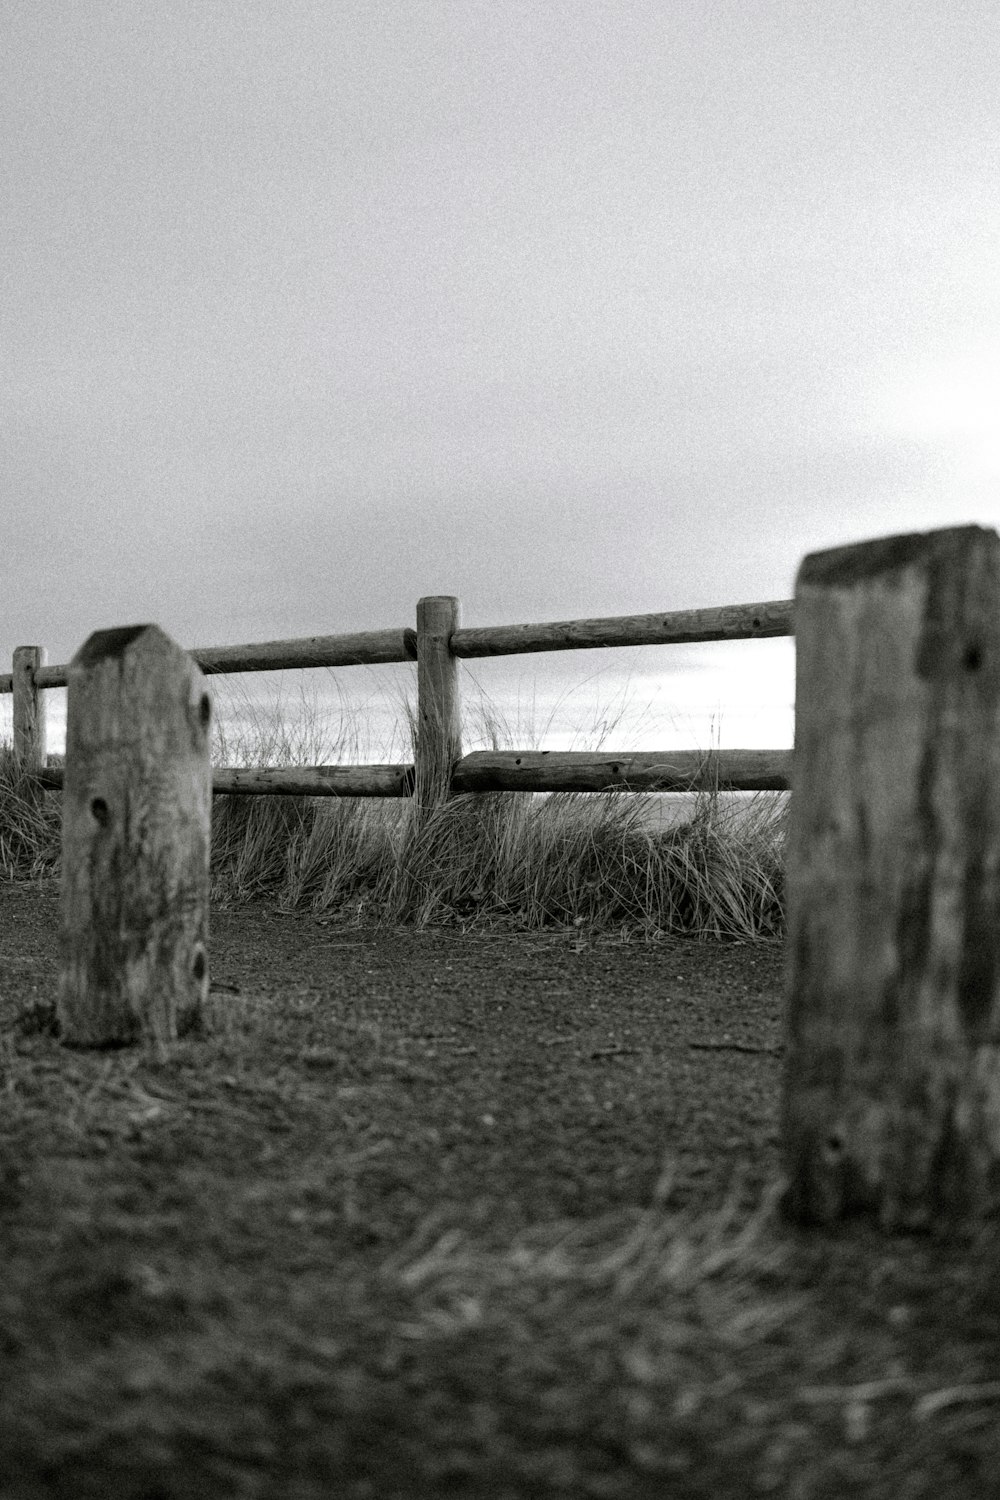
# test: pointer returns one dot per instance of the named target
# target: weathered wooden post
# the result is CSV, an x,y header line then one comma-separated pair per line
x,y
136,825
892,1088
30,747
439,726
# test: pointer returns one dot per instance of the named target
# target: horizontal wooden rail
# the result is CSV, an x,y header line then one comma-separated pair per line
x,y
642,771
727,622
316,781
45,677
292,781
517,771
369,647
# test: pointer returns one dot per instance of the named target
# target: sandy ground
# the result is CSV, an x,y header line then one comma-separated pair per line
x,y
572,1069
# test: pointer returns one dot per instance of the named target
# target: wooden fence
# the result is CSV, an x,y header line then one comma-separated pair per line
x,y
437,645
891,1104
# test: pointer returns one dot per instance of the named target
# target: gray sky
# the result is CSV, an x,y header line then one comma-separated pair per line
x,y
569,309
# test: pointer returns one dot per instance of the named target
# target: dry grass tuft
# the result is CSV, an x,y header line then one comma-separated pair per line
x,y
30,824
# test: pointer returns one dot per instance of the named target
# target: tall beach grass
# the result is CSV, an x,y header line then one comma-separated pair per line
x,y
600,862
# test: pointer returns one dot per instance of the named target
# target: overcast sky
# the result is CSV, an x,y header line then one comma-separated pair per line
x,y
569,309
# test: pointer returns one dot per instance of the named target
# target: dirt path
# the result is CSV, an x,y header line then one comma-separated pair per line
x,y
547,1074
383,1230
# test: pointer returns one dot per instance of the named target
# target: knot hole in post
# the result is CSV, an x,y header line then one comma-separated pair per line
x,y
833,1148
204,710
99,810
972,657
198,964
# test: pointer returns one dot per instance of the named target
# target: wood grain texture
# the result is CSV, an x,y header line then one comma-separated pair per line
x,y
316,781
516,771
29,715
640,771
136,834
439,726
369,647
726,622
892,1090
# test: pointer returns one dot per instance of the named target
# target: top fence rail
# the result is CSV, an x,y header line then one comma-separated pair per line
x,y
727,622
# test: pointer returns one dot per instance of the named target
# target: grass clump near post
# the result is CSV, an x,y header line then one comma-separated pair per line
x,y
30,825
333,854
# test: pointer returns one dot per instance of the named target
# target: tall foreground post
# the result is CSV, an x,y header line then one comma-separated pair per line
x,y
439,729
136,827
892,1088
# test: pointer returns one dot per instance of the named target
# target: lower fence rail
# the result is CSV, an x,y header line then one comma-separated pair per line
x,y
514,771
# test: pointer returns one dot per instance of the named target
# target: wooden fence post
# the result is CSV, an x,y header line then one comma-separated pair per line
x,y
136,827
892,1089
439,727
30,746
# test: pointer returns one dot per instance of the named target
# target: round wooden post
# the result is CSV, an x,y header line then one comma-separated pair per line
x,y
892,1089
30,748
439,728
136,826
